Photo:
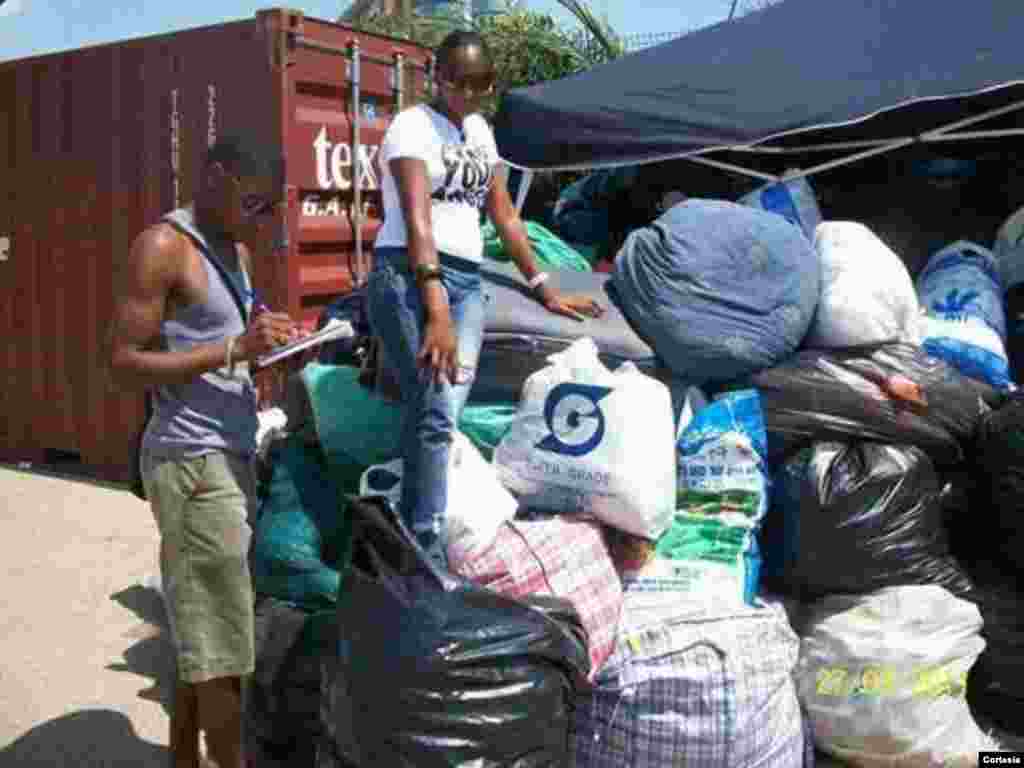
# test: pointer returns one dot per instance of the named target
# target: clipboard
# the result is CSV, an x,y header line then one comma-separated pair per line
x,y
334,329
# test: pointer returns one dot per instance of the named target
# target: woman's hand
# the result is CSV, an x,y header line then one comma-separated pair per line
x,y
439,349
578,307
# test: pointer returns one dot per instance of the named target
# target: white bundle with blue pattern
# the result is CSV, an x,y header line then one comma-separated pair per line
x,y
961,293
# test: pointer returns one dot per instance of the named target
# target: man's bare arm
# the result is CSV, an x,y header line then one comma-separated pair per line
x,y
143,284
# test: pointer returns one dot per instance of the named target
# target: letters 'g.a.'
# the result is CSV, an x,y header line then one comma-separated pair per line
x,y
574,418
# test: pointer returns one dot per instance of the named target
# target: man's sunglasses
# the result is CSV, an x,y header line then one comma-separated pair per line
x,y
256,205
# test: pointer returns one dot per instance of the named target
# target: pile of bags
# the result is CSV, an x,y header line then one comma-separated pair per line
x,y
720,526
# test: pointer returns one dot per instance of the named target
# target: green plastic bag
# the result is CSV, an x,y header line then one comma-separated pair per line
x,y
551,251
302,537
357,429
485,425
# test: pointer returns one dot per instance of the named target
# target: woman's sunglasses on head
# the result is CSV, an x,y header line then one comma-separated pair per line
x,y
471,87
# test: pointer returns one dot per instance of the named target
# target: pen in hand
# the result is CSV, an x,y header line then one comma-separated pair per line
x,y
261,309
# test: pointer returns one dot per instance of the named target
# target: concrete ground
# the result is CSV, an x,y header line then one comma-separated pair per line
x,y
86,668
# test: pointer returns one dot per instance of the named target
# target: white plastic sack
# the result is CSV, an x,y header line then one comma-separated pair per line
x,y
477,502
883,677
792,199
586,440
272,422
867,296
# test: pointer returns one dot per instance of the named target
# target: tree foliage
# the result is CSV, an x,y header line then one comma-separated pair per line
x,y
528,47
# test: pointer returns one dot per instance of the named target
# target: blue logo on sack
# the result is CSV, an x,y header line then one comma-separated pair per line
x,y
574,418
955,303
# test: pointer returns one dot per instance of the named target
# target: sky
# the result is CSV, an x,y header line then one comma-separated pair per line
x,y
31,27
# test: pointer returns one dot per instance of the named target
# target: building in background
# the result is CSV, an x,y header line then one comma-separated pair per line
x,y
468,9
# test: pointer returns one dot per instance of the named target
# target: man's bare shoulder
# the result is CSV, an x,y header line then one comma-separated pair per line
x,y
156,261
159,241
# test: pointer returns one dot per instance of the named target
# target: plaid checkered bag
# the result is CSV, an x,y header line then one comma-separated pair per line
x,y
557,556
709,693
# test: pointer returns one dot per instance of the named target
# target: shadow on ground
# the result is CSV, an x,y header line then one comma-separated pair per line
x,y
92,738
152,655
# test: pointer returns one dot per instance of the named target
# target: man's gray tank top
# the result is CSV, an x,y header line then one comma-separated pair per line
x,y
215,411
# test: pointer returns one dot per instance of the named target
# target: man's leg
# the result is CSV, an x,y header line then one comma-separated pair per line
x,y
168,486
220,719
204,509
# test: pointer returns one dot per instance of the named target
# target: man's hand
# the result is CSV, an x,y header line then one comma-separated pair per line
x,y
577,307
266,331
439,350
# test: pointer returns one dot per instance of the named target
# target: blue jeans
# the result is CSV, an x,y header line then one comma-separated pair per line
x,y
432,409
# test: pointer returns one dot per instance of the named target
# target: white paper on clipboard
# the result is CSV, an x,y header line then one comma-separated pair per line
x,y
334,329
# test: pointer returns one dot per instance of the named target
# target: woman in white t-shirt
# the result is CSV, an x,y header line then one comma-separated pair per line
x,y
440,165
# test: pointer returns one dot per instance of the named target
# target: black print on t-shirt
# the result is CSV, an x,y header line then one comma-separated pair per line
x,y
467,175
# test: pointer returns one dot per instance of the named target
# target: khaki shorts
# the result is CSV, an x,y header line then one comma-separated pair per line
x,y
202,507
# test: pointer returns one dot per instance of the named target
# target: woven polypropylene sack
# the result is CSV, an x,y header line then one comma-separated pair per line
x,y
711,693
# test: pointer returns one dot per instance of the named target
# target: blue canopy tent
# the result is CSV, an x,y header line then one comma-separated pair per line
x,y
853,78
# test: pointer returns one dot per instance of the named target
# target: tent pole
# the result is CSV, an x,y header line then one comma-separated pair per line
x,y
754,149
972,120
804,172
974,135
730,167
937,134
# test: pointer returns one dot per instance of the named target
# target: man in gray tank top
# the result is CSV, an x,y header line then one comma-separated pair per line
x,y
181,327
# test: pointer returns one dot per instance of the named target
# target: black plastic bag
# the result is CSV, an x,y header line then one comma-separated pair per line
x,y
995,688
1015,330
283,706
892,393
999,457
435,671
854,518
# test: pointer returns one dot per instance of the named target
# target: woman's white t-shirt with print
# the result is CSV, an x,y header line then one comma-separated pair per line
x,y
460,167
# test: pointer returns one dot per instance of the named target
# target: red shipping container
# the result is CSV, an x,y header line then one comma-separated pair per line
x,y
97,143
